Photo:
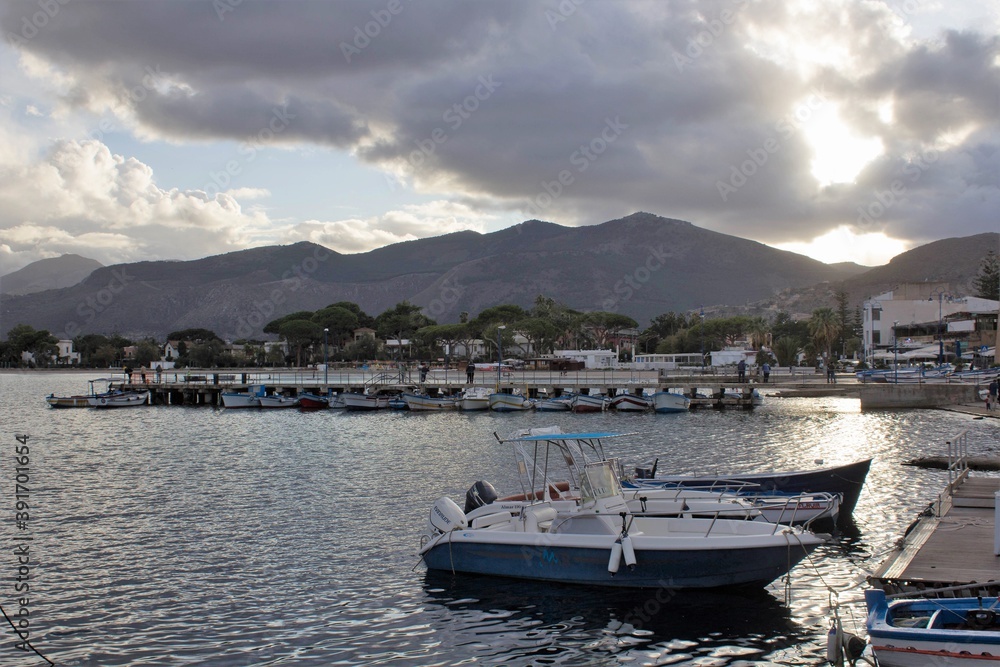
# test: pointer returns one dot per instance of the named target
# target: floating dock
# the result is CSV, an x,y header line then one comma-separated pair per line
x,y
950,549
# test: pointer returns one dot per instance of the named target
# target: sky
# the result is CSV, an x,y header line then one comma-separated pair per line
x,y
163,129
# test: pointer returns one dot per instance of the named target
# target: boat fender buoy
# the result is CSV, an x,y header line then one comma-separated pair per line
x,y
833,644
616,557
628,552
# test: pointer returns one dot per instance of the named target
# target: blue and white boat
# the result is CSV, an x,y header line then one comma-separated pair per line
x,y
670,401
243,399
588,403
587,535
562,403
501,402
933,632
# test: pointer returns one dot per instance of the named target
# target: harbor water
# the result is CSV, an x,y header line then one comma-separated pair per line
x,y
203,536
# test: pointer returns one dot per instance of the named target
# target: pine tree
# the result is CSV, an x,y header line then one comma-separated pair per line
x,y
987,283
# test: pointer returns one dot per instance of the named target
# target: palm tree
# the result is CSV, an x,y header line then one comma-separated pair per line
x,y
824,327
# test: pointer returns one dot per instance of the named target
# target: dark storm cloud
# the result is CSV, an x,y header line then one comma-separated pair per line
x,y
569,110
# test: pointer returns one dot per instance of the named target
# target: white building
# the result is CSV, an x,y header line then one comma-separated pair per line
x,y
590,358
890,318
66,353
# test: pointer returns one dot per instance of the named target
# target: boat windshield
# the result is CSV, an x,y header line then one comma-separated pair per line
x,y
599,481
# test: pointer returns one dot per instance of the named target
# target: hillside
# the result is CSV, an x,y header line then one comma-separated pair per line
x,y
46,274
641,265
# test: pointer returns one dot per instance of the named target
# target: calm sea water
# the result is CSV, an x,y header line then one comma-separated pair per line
x,y
200,536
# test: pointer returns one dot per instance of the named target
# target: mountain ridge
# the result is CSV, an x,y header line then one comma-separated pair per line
x,y
641,265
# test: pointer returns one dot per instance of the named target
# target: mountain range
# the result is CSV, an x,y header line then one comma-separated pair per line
x,y
641,265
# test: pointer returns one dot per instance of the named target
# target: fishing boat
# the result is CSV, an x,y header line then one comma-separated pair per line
x,y
588,403
933,632
243,399
626,402
563,403
78,400
278,401
120,399
501,402
669,401
364,402
422,402
588,535
309,401
845,481
336,401
475,398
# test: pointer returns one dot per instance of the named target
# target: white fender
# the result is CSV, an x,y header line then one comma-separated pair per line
x,y
616,557
628,552
833,642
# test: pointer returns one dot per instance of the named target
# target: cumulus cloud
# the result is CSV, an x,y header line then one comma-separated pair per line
x,y
774,120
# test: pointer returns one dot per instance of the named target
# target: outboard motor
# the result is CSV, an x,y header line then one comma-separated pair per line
x,y
481,493
647,470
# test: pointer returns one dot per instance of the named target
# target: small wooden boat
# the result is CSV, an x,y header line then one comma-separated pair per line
x,y
631,403
243,399
588,403
354,401
418,402
933,632
475,398
670,401
308,401
500,402
277,401
78,400
562,403
120,399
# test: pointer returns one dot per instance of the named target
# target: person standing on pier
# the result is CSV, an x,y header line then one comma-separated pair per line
x,y
424,368
991,403
741,371
470,373
766,370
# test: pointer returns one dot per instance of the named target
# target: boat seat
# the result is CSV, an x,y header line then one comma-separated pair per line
x,y
494,520
538,518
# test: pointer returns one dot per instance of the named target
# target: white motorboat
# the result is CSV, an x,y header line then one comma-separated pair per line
x,y
501,402
626,402
669,401
475,398
422,402
239,399
120,399
588,535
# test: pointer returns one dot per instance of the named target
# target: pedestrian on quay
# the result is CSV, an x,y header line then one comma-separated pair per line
x,y
993,395
831,374
741,371
470,373
424,368
766,370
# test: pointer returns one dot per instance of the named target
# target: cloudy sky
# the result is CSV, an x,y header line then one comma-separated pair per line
x,y
845,130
